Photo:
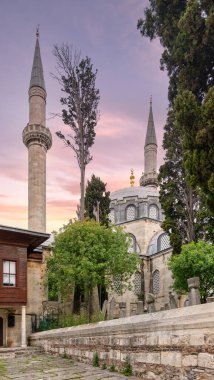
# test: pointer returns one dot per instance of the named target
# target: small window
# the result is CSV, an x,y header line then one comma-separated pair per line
x,y
156,282
153,212
117,284
9,273
112,216
137,283
132,247
130,213
11,320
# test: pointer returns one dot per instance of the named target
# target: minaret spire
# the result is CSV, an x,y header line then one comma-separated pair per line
x,y
149,178
38,140
37,76
150,133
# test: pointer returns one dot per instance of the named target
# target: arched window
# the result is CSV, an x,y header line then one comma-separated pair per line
x,y
156,282
163,242
137,283
153,212
130,213
112,216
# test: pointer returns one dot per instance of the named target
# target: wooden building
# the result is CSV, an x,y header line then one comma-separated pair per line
x,y
21,283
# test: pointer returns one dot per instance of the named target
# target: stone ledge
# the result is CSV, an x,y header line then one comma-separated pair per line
x,y
193,317
206,360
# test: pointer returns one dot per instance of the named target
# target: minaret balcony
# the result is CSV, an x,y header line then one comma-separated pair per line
x,y
37,134
149,179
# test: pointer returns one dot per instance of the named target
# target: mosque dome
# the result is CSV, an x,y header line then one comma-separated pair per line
x,y
135,203
136,192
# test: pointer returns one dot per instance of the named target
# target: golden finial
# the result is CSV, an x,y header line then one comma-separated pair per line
x,y
132,178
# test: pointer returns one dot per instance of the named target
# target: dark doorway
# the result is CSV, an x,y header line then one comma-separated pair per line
x,y
1,331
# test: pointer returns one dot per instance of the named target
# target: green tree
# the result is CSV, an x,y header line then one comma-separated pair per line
x,y
198,147
185,29
87,254
195,260
97,198
77,78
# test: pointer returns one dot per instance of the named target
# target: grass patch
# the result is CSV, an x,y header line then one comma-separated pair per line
x,y
95,361
3,370
112,368
54,322
127,370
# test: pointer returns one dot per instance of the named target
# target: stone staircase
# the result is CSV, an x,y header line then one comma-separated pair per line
x,y
13,352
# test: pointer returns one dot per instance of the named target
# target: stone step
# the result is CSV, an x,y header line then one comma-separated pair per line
x,y
13,352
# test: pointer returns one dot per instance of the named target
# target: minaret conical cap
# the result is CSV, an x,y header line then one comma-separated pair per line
x,y
150,134
37,76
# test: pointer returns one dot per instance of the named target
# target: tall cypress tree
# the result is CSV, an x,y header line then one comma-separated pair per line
x,y
97,198
185,29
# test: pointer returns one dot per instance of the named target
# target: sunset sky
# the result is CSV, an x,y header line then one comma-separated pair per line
x,y
128,73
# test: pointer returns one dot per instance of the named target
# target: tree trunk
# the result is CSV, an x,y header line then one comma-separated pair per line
x,y
190,214
82,170
82,189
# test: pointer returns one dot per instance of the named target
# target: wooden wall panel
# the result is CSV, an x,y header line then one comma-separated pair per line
x,y
14,295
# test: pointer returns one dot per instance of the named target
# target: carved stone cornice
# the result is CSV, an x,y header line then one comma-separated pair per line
x,y
37,134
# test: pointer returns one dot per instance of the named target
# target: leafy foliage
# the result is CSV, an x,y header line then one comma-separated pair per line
x,y
96,193
195,260
185,30
77,79
87,254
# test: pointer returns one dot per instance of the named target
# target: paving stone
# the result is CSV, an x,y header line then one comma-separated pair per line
x,y
40,366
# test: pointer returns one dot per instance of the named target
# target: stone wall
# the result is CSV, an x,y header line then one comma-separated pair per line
x,y
175,344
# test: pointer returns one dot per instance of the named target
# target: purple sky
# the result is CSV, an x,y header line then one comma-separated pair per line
x,y
128,73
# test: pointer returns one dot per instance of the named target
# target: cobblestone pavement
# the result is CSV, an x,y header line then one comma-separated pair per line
x,y
46,367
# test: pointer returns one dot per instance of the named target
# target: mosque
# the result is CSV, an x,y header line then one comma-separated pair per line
x,y
23,294
138,209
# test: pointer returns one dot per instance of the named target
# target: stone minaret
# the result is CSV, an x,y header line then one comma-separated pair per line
x,y
38,140
149,177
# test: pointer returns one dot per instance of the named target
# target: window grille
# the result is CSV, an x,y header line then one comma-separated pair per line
x,y
130,213
132,247
117,284
137,283
153,212
164,242
156,282
112,216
